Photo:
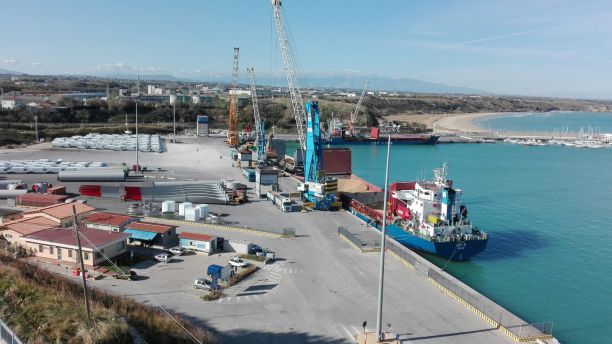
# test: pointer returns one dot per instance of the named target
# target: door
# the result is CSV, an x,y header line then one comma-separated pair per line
x,y
59,253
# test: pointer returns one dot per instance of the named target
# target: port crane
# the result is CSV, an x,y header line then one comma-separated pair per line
x,y
260,138
317,189
232,128
351,130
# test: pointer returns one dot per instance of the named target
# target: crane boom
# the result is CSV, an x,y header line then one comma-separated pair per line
x,y
354,113
232,131
294,90
259,135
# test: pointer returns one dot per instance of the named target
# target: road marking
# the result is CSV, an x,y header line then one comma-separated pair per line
x,y
349,335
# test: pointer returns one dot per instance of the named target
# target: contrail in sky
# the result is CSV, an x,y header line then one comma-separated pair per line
x,y
496,37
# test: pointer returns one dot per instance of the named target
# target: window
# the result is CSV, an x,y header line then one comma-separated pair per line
x,y
85,256
50,249
40,248
69,253
8,236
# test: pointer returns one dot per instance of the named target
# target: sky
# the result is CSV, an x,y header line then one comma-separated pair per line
x,y
544,47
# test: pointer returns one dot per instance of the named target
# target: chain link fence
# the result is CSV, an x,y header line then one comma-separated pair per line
x,y
7,336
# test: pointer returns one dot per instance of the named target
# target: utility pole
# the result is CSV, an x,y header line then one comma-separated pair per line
x,y
36,127
382,249
137,147
174,121
80,256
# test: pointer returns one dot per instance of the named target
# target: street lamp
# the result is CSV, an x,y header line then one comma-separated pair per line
x,y
36,127
137,143
382,247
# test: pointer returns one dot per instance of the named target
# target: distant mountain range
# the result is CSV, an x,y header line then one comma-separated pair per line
x,y
340,81
6,71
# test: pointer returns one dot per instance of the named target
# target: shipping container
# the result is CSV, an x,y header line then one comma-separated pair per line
x,y
337,161
40,200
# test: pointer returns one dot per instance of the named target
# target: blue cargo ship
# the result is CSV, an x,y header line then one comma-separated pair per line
x,y
425,216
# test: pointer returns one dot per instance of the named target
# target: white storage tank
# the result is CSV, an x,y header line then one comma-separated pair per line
x,y
168,206
183,206
192,214
203,210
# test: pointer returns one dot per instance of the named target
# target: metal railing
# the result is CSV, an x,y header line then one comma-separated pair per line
x,y
515,326
7,336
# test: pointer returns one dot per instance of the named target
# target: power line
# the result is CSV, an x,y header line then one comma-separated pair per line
x,y
193,337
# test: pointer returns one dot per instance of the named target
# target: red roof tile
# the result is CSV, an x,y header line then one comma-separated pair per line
x,y
195,236
150,227
107,219
62,210
89,236
30,225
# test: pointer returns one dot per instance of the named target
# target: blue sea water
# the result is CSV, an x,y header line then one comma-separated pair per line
x,y
549,122
548,211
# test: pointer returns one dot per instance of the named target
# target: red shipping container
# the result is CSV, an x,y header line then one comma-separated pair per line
x,y
337,161
57,190
40,200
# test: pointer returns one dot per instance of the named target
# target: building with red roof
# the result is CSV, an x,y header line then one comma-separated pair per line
x,y
13,231
152,234
108,221
61,245
199,242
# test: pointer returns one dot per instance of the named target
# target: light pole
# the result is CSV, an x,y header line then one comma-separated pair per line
x,y
36,127
137,145
382,248
174,121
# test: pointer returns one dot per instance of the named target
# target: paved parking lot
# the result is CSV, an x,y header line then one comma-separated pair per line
x,y
319,290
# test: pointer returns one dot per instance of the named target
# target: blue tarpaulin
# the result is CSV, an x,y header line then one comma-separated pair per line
x,y
141,235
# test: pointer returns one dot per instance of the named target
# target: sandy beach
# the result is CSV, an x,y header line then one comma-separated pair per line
x,y
460,122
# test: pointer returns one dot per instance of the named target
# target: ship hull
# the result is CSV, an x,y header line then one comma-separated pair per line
x,y
382,140
453,250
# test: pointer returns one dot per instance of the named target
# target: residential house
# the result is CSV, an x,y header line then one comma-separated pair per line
x,y
13,231
60,245
108,221
8,215
62,213
152,234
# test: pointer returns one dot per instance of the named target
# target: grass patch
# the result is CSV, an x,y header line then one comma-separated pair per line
x,y
43,307
242,274
212,295
253,257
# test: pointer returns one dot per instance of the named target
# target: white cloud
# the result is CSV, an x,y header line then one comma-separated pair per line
x,y
36,64
10,61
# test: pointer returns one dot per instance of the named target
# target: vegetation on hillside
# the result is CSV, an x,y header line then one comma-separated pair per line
x,y
42,307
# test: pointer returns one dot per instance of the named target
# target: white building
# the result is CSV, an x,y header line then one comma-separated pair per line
x,y
12,103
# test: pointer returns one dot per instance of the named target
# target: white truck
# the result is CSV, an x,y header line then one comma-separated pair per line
x,y
284,203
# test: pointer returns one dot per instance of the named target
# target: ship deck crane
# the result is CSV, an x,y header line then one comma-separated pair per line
x,y
232,128
351,129
260,138
317,189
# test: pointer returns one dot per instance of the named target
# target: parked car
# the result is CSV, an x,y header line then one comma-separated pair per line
x,y
238,262
163,257
202,283
255,248
179,251
126,275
